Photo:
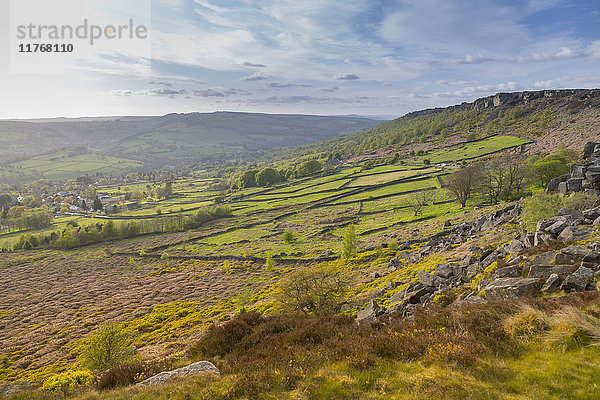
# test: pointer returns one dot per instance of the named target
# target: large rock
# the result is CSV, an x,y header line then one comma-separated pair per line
x,y
540,259
507,272
588,149
428,279
515,247
541,238
443,271
544,271
578,280
571,235
369,313
490,259
201,367
551,284
511,288
473,270
397,297
552,186
582,252
12,388
566,259
414,295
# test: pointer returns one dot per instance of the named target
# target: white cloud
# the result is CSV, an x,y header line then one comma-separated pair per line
x,y
347,77
257,76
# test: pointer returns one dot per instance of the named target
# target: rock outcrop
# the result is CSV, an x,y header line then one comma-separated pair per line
x,y
508,271
201,367
584,176
12,388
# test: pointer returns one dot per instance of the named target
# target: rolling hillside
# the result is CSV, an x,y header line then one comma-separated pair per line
x,y
157,141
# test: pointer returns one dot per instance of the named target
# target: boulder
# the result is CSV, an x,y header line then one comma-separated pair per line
x,y
490,259
544,271
515,247
414,296
201,367
507,272
540,259
541,238
12,388
552,186
369,313
588,149
551,284
574,184
578,280
428,279
394,263
566,259
592,213
474,269
562,188
568,235
582,252
511,288
397,297
444,271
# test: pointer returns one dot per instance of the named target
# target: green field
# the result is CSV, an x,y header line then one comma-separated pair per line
x,y
63,165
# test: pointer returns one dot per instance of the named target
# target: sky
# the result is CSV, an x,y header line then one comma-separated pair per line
x,y
327,57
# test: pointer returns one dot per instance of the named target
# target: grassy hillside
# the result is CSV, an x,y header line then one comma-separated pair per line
x,y
550,117
187,285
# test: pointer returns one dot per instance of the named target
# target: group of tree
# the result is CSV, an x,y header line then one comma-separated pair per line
x,y
73,235
507,178
21,218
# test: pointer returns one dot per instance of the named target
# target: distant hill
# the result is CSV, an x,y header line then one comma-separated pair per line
x,y
170,139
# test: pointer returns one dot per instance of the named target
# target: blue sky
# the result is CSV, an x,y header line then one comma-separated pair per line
x,y
369,57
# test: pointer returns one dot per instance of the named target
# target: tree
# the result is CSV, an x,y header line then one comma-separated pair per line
x,y
547,168
109,346
349,243
516,178
109,230
5,200
420,199
138,195
267,177
463,182
97,205
493,180
168,190
308,168
248,179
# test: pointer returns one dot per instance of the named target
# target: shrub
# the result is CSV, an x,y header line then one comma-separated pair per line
x,y
526,324
539,206
571,327
128,374
109,346
350,242
221,340
580,201
289,237
319,290
67,382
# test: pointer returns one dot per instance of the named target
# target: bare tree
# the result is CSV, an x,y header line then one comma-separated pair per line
x,y
420,199
516,177
463,182
493,179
